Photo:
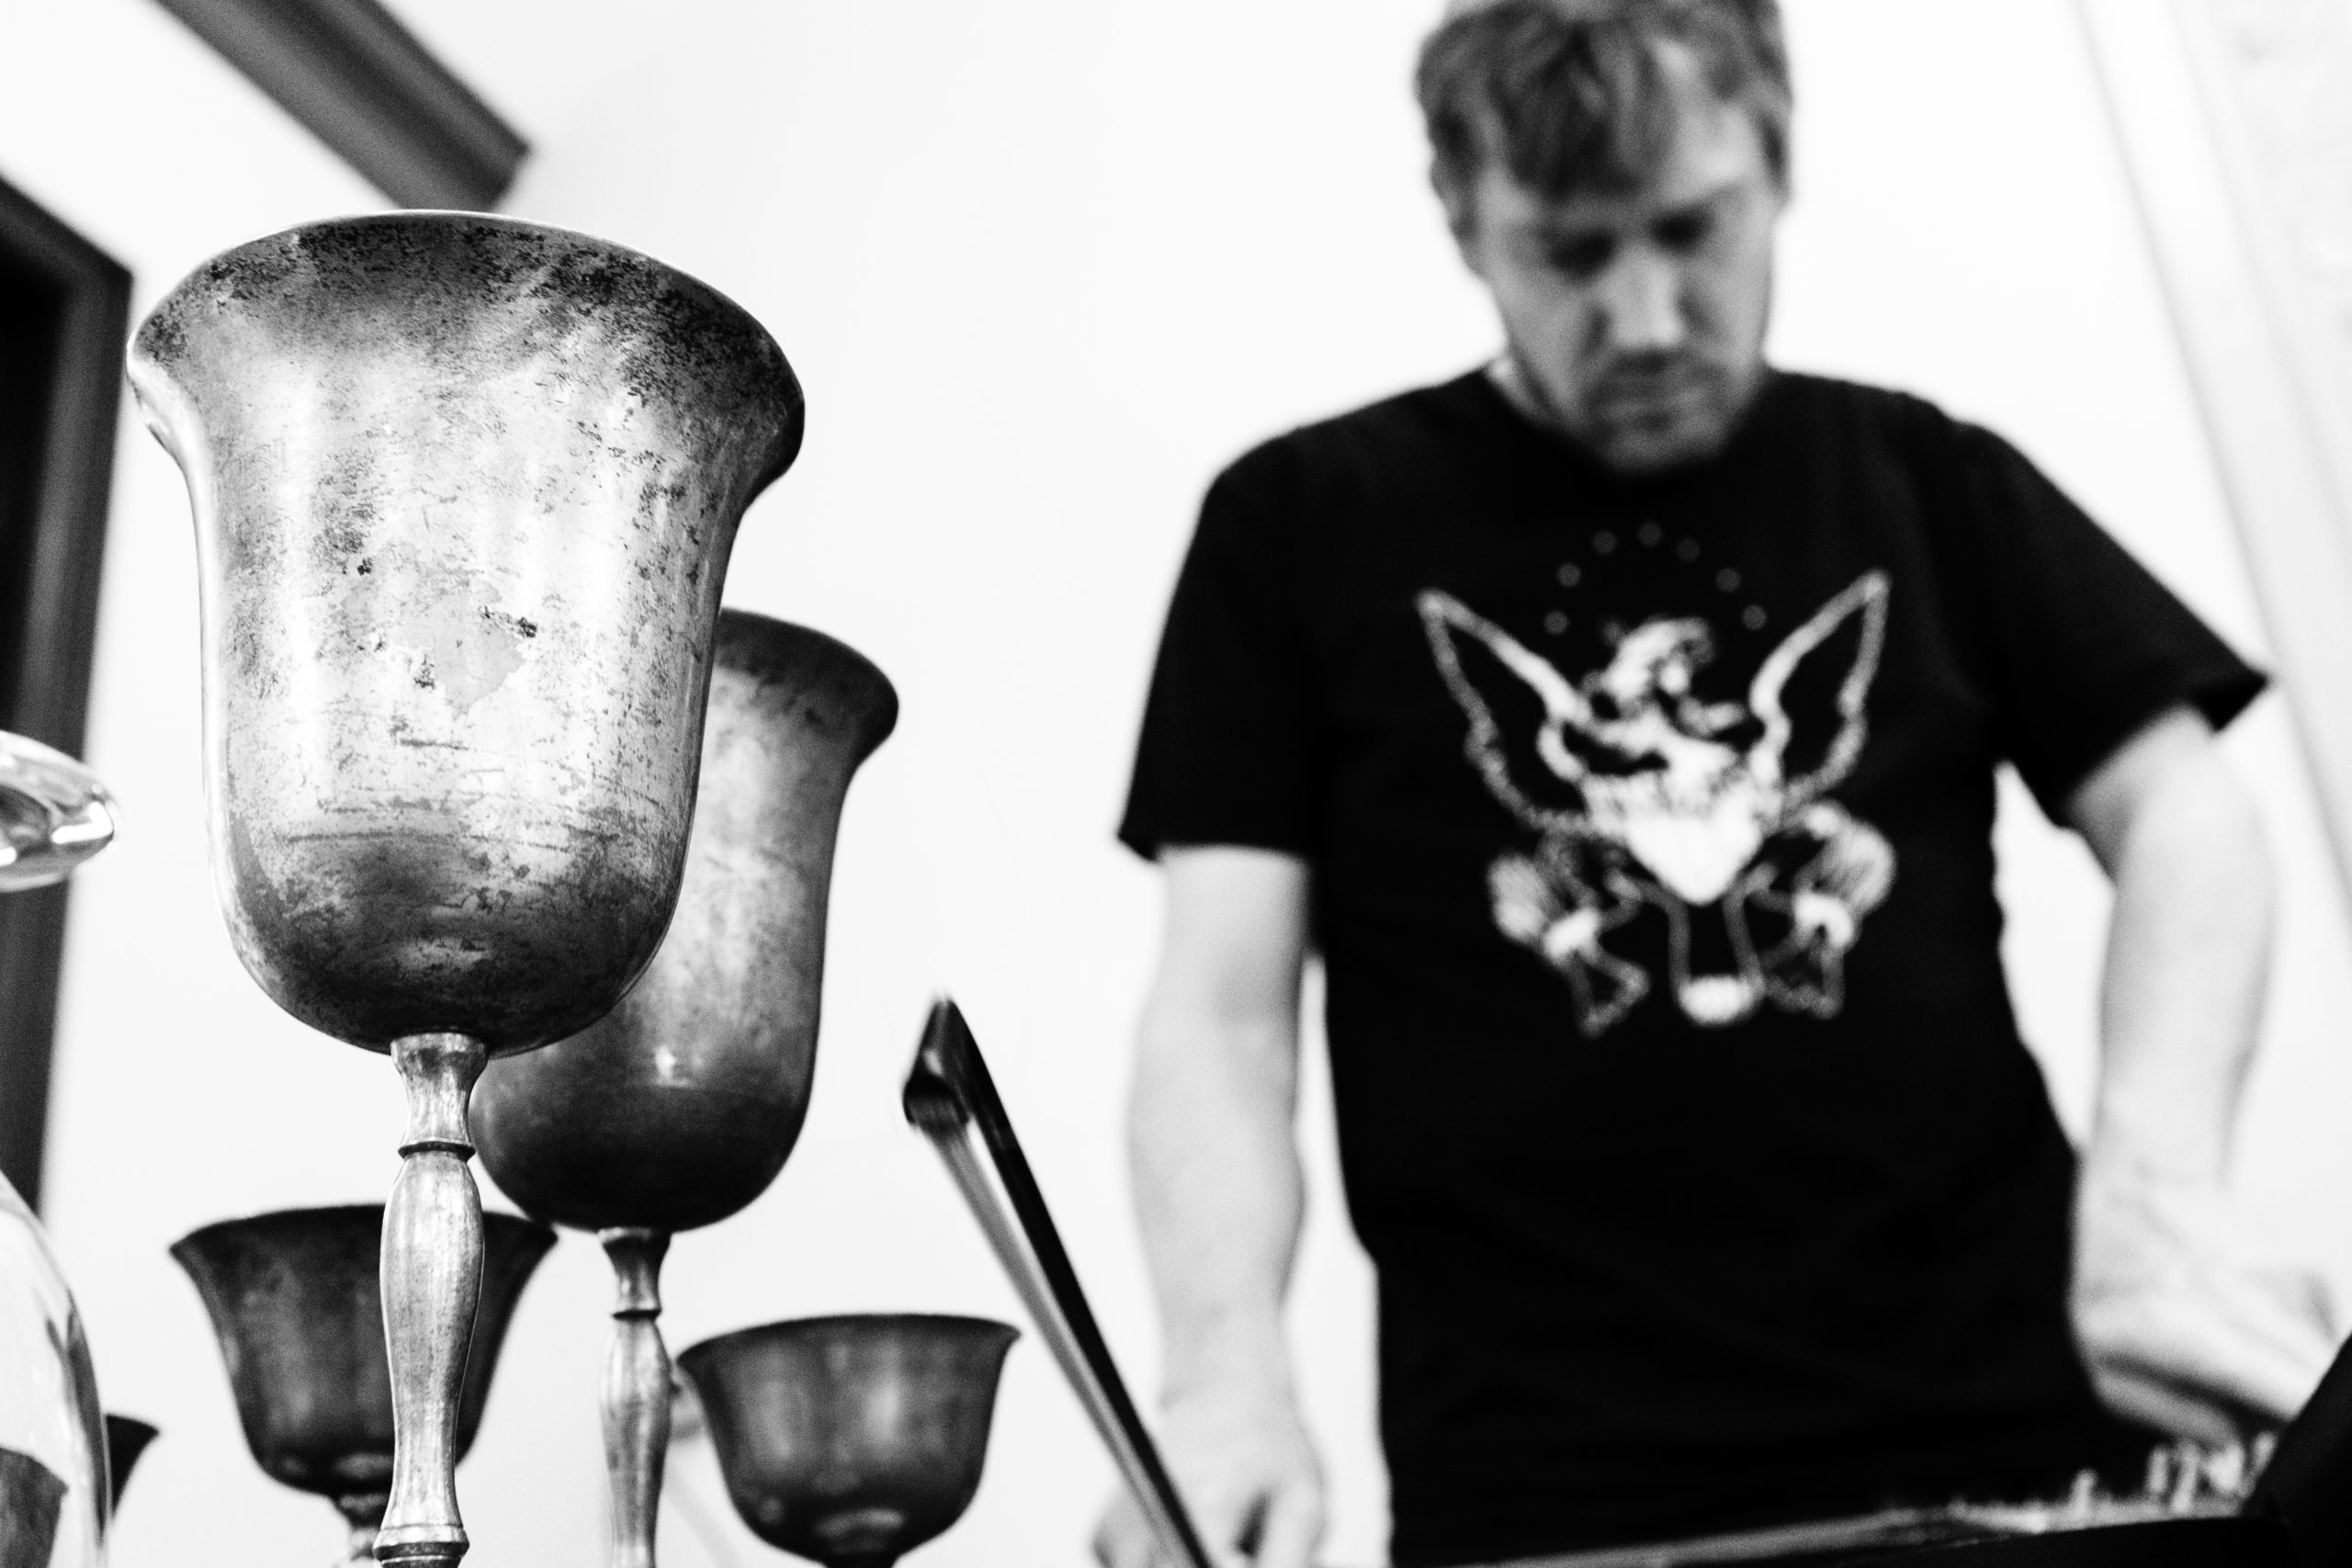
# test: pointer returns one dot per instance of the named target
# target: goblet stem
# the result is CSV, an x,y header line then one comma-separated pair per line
x,y
432,1279
635,1392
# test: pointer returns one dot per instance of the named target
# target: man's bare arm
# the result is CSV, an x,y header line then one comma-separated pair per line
x,y
1219,1196
2182,1327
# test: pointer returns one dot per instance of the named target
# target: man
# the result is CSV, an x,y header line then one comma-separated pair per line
x,y
1620,723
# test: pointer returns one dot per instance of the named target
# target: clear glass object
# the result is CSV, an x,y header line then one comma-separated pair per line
x,y
53,1485
52,1438
53,816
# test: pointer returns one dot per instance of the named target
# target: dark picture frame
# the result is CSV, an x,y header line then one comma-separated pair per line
x,y
64,313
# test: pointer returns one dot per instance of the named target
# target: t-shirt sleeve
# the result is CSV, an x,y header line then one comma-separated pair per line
x,y
1225,751
2088,646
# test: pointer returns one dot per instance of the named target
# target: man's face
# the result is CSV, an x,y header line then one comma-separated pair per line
x,y
1636,322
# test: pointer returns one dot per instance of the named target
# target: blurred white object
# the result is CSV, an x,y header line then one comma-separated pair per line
x,y
2231,118
53,1495
54,814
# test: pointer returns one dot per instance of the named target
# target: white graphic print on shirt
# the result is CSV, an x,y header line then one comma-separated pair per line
x,y
1642,794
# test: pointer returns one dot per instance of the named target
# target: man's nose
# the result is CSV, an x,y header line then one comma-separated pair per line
x,y
1641,300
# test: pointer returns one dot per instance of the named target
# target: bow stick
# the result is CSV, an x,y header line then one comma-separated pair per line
x,y
951,1100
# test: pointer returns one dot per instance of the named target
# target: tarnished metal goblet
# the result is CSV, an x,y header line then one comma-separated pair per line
x,y
294,1298
679,1107
464,490
851,1440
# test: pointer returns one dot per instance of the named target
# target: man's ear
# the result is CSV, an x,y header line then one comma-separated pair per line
x,y
1454,194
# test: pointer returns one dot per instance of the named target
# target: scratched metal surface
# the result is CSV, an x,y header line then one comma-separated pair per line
x,y
464,490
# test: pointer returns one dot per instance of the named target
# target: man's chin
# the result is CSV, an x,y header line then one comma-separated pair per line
x,y
1640,425
1637,446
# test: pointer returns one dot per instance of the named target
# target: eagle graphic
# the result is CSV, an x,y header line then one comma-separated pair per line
x,y
1643,795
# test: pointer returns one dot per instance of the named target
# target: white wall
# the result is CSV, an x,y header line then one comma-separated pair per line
x,y
1043,267
1963,227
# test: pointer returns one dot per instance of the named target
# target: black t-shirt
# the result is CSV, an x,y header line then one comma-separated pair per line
x,y
1680,1102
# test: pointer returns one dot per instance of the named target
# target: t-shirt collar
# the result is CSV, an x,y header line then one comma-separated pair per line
x,y
1750,431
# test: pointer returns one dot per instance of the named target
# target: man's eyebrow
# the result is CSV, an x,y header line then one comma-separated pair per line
x,y
1552,228
1721,191
1572,232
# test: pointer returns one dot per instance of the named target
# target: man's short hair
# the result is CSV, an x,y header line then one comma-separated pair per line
x,y
1571,96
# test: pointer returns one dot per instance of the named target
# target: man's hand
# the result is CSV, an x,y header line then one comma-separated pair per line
x,y
1247,1473
2184,1326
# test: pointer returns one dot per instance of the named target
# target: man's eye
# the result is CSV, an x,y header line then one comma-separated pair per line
x,y
1582,258
1685,232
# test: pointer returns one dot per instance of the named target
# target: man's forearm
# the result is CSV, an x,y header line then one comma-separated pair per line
x,y
2182,1327
2188,957
2181,1322
1218,1199
1218,1193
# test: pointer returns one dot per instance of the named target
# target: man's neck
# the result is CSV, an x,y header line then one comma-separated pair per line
x,y
1527,397
1519,390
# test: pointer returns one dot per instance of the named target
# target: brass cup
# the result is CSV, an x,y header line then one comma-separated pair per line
x,y
294,1298
678,1108
851,1440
